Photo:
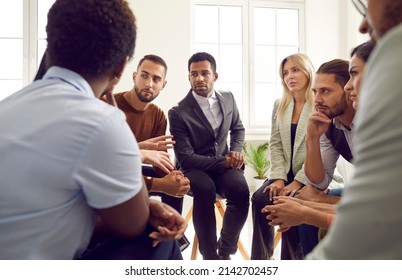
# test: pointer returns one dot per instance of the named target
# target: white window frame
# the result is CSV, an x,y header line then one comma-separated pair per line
x,y
254,131
31,57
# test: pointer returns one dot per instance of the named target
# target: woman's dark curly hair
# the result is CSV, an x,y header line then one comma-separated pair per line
x,y
90,37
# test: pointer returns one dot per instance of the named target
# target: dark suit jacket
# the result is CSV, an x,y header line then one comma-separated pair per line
x,y
196,145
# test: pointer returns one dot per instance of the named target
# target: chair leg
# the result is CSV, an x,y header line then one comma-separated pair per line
x,y
189,214
219,213
220,207
277,237
242,250
194,250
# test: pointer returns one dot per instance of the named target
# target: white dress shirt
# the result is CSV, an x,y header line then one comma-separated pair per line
x,y
212,110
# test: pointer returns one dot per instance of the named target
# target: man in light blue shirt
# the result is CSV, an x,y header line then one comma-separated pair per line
x,y
68,158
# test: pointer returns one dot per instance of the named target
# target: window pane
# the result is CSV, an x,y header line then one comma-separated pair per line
x,y
283,52
264,98
230,67
264,26
212,49
265,69
43,8
11,18
8,87
206,24
288,27
11,59
230,19
274,31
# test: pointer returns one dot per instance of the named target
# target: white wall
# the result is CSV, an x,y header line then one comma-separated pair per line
x,y
331,30
163,29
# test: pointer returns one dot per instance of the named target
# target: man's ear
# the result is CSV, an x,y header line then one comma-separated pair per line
x,y
215,76
118,72
164,84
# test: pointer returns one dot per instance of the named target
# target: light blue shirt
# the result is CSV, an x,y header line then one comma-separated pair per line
x,y
211,109
63,153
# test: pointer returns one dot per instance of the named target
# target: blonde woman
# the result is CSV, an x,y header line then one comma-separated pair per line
x,y
287,149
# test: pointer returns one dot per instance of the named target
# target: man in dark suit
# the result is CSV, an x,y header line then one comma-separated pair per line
x,y
200,125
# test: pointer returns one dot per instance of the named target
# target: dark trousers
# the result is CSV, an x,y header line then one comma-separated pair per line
x,y
262,246
231,185
308,237
309,234
139,248
175,202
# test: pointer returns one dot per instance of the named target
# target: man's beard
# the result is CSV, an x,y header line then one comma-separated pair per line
x,y
339,109
143,98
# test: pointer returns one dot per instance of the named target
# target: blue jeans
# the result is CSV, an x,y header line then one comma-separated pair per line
x,y
309,234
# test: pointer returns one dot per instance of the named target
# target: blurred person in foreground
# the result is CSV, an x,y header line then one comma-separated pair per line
x,y
368,223
68,157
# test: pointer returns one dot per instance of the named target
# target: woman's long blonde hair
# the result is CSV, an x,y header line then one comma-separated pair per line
x,y
305,65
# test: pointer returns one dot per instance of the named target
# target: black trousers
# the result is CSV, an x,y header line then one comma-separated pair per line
x,y
262,246
231,185
139,248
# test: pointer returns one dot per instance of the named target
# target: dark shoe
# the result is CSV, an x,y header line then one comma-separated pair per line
x,y
227,257
222,254
183,243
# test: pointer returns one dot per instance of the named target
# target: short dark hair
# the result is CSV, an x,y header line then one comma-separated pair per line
x,y
363,51
202,56
338,67
154,58
90,37
42,68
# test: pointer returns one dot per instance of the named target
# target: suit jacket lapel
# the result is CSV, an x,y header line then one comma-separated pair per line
x,y
222,104
198,112
302,125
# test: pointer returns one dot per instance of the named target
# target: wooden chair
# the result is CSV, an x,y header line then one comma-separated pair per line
x,y
277,238
219,213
